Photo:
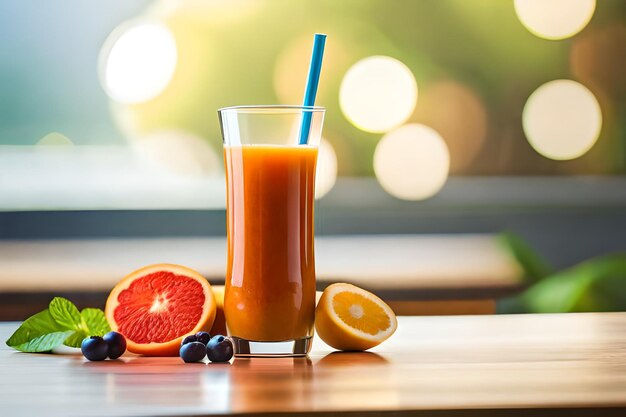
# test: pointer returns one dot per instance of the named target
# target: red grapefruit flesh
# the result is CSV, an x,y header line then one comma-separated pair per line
x,y
157,306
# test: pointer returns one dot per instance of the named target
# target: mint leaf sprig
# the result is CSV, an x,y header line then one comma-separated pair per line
x,y
60,323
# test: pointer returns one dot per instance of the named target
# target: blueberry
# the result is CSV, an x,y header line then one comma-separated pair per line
x,y
203,337
117,344
189,339
220,349
193,352
94,348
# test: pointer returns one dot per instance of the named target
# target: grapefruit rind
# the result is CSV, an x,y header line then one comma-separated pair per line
x,y
219,325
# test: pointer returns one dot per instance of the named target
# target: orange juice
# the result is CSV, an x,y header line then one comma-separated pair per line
x,y
270,277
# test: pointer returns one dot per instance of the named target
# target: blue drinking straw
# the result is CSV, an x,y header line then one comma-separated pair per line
x,y
313,80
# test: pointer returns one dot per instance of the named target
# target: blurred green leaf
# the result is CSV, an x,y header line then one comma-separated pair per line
x,y
535,268
595,285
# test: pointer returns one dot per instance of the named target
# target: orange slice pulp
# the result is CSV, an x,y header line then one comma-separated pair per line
x,y
350,318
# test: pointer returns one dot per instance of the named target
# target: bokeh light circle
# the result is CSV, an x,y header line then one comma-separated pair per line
x,y
562,119
597,59
55,139
326,171
138,61
458,113
378,93
555,19
412,162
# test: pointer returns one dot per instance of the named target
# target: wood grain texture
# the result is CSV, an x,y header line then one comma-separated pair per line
x,y
433,366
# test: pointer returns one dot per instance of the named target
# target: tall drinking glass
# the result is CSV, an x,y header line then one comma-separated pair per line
x,y
269,301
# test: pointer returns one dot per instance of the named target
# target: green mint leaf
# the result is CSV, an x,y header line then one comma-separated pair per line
x,y
60,323
95,321
44,343
75,339
39,333
65,313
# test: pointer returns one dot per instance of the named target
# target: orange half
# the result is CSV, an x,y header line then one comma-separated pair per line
x,y
156,306
350,318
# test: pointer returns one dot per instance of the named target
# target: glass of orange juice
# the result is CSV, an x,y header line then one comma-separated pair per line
x,y
270,155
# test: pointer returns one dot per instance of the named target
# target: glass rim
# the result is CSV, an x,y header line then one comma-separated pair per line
x,y
261,108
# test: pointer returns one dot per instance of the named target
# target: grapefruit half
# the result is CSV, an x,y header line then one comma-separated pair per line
x,y
156,306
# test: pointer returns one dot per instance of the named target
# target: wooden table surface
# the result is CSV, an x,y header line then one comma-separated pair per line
x,y
433,366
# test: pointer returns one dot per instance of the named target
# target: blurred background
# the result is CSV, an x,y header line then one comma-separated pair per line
x,y
490,135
